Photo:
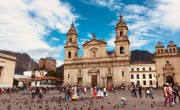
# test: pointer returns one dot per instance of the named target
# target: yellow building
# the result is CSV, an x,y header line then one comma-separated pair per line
x,y
7,68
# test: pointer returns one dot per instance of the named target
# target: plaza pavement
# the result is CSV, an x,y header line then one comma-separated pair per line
x,y
54,101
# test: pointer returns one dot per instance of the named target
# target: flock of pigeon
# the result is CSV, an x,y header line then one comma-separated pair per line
x,y
122,100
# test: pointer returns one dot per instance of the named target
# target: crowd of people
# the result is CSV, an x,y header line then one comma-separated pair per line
x,y
171,92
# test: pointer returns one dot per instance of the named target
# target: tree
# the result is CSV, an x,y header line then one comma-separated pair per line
x,y
55,74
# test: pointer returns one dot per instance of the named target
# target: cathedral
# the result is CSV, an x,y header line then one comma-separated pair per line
x,y
99,67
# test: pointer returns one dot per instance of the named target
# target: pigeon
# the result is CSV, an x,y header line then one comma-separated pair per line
x,y
102,107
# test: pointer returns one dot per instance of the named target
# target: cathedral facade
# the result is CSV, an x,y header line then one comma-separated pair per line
x,y
98,67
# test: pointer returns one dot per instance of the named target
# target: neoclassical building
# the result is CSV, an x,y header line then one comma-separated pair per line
x,y
97,66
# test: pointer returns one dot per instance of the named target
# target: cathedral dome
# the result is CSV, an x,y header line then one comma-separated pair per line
x,y
121,23
72,30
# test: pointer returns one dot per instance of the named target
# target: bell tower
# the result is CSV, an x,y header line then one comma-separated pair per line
x,y
122,41
71,48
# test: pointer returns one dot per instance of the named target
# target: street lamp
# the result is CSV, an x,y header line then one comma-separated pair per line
x,y
103,77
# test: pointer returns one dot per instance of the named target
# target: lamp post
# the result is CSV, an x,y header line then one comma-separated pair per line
x,y
103,77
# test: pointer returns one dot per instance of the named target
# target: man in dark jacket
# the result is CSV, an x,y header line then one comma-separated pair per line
x,y
140,89
176,93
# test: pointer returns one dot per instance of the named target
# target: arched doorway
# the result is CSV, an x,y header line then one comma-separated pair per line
x,y
169,79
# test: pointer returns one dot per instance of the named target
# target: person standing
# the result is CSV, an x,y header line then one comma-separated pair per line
x,y
33,91
85,90
176,93
140,89
173,92
167,94
40,95
104,90
0,91
25,90
37,91
151,93
67,93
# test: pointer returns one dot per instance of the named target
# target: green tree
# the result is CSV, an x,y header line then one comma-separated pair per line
x,y
55,74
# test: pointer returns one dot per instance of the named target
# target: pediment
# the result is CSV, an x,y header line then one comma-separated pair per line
x,y
94,42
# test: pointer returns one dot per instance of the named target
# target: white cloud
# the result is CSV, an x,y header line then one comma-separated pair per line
x,y
136,9
89,35
55,39
166,15
147,21
110,4
24,23
59,63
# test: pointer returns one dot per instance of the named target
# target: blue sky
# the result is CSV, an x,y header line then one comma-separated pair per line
x,y
39,27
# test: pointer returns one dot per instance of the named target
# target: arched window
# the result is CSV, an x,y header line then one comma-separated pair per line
x,y
158,51
70,39
167,62
76,55
109,71
161,50
121,50
80,72
121,34
170,50
94,54
69,54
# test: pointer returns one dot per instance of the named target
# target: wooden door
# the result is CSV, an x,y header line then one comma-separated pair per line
x,y
80,81
94,80
109,81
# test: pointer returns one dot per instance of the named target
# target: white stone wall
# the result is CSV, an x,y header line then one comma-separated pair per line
x,y
141,72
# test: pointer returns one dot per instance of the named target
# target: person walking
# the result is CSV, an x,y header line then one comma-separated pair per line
x,y
147,92
37,91
134,92
167,94
140,89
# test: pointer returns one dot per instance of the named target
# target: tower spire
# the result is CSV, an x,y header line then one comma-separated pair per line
x,y
120,14
72,25
94,35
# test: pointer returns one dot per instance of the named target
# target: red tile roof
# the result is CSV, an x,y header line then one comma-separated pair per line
x,y
48,77
24,80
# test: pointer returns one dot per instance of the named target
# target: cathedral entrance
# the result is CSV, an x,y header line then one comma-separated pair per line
x,y
169,79
93,80
80,81
109,81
